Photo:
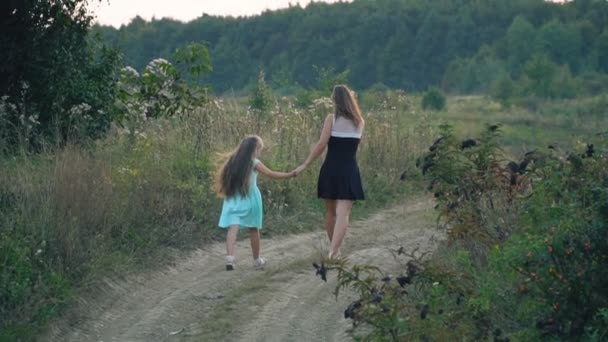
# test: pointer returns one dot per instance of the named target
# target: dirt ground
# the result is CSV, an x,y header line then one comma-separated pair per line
x,y
197,300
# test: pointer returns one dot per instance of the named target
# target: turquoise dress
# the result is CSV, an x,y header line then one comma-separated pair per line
x,y
245,211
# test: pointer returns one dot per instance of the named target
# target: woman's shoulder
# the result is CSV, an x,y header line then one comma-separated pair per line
x,y
330,119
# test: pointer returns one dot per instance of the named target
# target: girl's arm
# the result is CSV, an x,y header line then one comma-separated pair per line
x,y
273,174
320,146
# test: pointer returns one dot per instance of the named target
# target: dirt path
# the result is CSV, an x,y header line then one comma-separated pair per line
x,y
197,300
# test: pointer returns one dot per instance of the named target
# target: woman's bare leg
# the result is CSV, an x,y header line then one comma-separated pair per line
x,y
343,208
330,218
254,236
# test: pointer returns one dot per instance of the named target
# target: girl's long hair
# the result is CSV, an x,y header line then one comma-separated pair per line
x,y
346,105
233,177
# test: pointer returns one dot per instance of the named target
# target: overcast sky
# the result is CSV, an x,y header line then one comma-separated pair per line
x,y
117,12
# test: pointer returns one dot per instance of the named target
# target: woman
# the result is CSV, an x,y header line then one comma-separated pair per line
x,y
339,179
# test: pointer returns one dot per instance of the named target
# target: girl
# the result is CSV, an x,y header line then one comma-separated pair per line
x,y
339,179
242,208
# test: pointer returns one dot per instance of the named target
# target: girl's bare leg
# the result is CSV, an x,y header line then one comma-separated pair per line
x,y
330,218
254,236
343,208
231,239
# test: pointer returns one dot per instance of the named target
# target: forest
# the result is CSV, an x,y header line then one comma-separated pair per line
x,y
463,46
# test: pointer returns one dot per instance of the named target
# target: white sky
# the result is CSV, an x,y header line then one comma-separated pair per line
x,y
118,12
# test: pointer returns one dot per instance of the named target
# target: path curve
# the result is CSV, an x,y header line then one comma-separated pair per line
x,y
197,300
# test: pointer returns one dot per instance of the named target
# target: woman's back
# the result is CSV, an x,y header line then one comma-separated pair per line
x,y
345,128
339,176
344,141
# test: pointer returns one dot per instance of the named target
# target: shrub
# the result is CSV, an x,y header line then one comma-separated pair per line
x,y
527,243
503,91
261,97
434,99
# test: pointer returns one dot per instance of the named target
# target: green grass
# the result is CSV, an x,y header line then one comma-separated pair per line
x,y
71,215
561,123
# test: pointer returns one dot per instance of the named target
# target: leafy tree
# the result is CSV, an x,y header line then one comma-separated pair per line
x,y
589,34
562,43
475,74
520,37
260,99
52,70
461,39
541,72
327,78
403,44
602,51
428,59
393,63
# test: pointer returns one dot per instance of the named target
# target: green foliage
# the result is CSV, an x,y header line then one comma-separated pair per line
x,y
567,217
196,59
428,58
599,330
520,37
503,91
434,99
305,97
378,301
527,243
328,78
161,91
51,70
476,74
563,43
261,99
602,51
403,44
540,72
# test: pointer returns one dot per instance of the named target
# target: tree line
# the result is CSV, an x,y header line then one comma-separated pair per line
x,y
464,46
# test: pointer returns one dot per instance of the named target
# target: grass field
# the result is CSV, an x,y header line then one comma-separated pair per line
x,y
73,214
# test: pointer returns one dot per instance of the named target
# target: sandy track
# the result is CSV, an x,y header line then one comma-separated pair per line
x,y
197,300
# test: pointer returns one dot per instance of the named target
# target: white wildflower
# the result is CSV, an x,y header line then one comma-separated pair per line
x,y
130,72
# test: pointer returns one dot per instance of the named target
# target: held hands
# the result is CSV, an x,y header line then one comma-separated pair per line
x,y
298,170
295,172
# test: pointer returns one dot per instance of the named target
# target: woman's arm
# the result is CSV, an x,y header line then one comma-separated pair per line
x,y
273,174
320,145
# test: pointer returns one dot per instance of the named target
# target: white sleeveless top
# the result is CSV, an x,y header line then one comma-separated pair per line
x,y
345,128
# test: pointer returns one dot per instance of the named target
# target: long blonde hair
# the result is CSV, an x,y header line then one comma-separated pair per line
x,y
346,105
233,176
